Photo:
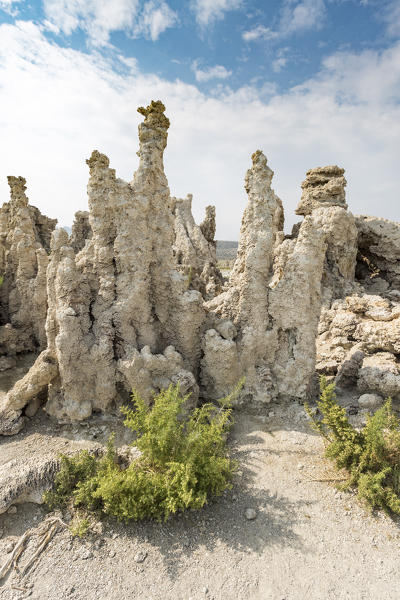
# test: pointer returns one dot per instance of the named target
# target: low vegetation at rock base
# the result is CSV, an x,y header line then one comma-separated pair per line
x,y
371,456
183,462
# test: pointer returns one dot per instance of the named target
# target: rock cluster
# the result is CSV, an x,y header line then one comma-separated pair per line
x,y
135,299
277,287
195,248
24,246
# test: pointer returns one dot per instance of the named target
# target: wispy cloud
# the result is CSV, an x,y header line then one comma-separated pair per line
x,y
302,16
61,103
391,16
209,11
216,72
281,59
99,18
296,17
155,18
278,64
9,6
259,32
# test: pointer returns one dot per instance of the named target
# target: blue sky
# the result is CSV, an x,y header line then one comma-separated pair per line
x,y
310,82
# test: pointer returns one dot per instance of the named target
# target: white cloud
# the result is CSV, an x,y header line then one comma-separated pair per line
x,y
98,18
302,16
155,18
9,7
58,104
278,64
259,32
296,17
216,72
209,11
391,16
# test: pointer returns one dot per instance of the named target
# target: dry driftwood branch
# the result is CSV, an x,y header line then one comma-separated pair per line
x,y
51,526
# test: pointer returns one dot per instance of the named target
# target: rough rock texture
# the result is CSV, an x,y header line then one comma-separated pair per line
x,y
277,287
26,480
380,373
352,330
379,252
322,186
24,244
119,304
195,248
81,230
135,299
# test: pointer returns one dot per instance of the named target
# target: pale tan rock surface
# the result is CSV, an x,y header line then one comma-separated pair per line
x,y
379,250
24,246
135,298
81,230
117,305
195,248
277,286
380,373
322,186
359,343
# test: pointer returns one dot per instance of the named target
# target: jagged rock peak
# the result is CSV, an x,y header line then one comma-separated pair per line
x,y
17,189
98,162
323,186
154,115
81,230
260,170
207,226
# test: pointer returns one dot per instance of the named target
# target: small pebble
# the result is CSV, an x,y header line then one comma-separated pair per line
x,y
300,467
205,590
9,547
271,413
250,514
141,556
112,554
12,510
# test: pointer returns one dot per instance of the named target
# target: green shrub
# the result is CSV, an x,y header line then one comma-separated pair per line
x,y
371,456
79,527
183,462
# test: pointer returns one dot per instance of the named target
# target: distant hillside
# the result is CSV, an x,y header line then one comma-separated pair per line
x,y
226,250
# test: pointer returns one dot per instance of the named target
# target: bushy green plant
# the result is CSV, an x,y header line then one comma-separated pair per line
x,y
79,527
184,461
371,456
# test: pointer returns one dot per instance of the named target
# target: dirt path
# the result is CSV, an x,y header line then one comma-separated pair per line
x,y
307,540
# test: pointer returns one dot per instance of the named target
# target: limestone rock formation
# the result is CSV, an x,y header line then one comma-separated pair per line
x,y
134,298
195,248
81,231
24,245
380,373
323,186
119,304
278,286
379,252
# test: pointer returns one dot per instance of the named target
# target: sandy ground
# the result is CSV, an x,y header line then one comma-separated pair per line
x,y
307,541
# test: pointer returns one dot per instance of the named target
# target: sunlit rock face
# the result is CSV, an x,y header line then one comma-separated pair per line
x,y
24,245
133,299
195,248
